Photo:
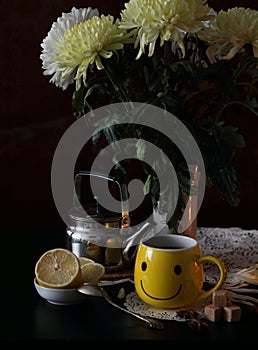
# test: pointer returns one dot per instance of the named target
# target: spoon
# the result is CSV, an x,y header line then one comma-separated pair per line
x,y
96,290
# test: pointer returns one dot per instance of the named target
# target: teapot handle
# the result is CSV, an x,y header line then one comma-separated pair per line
x,y
125,220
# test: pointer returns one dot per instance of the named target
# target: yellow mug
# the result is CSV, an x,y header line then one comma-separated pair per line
x,y
169,272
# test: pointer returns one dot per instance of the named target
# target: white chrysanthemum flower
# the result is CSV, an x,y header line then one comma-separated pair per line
x,y
164,19
85,44
232,29
49,52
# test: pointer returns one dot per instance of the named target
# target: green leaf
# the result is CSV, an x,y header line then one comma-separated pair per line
x,y
229,134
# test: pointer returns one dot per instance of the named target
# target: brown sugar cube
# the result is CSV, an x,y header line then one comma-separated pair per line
x,y
219,298
232,313
213,313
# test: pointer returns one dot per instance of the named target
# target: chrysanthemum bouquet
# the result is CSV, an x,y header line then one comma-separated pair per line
x,y
179,55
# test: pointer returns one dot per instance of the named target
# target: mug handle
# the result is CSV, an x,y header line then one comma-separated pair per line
x,y
223,273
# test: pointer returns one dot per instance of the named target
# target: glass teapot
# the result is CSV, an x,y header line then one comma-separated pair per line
x,y
98,233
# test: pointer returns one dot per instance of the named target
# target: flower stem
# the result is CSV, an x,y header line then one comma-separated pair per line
x,y
116,85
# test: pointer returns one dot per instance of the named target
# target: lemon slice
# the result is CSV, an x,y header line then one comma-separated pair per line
x,y
92,272
84,260
58,268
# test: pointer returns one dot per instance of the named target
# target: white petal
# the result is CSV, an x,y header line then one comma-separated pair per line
x,y
48,45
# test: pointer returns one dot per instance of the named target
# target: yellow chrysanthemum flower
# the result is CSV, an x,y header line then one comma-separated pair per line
x,y
86,43
167,19
232,30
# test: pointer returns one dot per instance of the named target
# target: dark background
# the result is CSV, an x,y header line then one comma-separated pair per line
x,y
35,114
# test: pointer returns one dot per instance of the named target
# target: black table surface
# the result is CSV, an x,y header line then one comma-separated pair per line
x,y
26,317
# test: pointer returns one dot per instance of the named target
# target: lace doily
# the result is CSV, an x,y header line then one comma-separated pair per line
x,y
134,304
239,250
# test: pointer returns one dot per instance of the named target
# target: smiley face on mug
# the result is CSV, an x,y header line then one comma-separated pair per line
x,y
176,288
167,282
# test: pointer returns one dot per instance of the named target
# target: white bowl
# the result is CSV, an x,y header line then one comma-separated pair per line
x,y
60,296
